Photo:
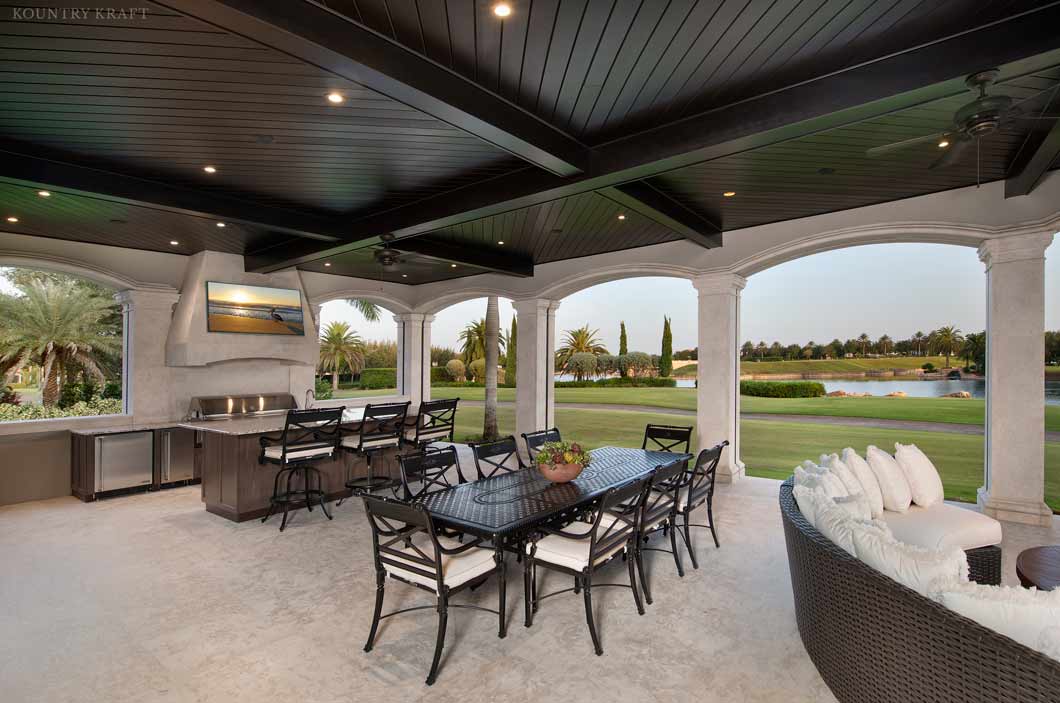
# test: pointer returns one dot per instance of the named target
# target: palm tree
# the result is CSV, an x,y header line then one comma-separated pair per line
x,y
863,339
761,349
58,327
885,345
579,340
473,340
369,310
918,341
947,341
340,347
492,356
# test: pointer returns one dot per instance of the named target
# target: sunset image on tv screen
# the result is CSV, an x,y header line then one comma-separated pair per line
x,y
253,309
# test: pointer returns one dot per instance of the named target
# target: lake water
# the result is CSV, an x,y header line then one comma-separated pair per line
x,y
912,388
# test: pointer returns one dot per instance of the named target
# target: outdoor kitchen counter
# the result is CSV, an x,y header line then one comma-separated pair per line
x,y
237,487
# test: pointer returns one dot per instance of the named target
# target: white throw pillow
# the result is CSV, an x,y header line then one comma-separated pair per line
x,y
893,486
837,525
920,569
810,500
1026,615
833,463
925,486
870,487
855,505
816,476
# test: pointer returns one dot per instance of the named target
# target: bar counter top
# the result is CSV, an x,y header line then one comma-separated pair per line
x,y
262,424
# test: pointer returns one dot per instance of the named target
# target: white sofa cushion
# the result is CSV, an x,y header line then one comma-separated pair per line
x,y
1026,615
837,525
944,526
893,486
810,475
855,505
920,569
869,485
925,485
456,568
833,463
811,500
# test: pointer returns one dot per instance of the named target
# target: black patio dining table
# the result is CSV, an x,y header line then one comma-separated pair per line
x,y
508,507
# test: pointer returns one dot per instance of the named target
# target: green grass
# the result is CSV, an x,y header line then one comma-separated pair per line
x,y
843,365
772,449
360,393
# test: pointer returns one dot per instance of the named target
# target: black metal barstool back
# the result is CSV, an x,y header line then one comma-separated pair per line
x,y
667,438
435,421
498,457
430,471
381,430
308,436
534,440
697,490
408,547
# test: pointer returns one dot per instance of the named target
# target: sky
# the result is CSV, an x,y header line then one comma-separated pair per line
x,y
893,289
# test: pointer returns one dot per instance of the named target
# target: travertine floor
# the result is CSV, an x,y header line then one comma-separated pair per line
x,y
149,598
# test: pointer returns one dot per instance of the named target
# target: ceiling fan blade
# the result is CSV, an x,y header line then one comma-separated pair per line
x,y
895,146
1038,117
1040,93
952,154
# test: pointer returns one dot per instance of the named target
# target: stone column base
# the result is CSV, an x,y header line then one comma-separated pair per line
x,y
1026,512
730,472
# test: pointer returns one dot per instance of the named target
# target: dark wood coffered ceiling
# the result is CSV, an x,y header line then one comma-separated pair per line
x,y
459,130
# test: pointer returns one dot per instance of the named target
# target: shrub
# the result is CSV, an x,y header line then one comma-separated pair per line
x,y
929,367
438,373
639,363
455,369
582,365
782,389
380,354
81,392
477,368
620,381
111,390
378,378
606,364
8,396
458,384
322,390
108,406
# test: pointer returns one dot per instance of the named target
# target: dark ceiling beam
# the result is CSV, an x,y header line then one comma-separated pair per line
x,y
1024,44
94,182
498,262
325,38
1038,152
645,200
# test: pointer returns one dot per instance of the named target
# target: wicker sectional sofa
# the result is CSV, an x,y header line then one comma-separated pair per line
x,y
874,640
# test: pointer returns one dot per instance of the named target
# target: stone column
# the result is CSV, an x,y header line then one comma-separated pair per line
x,y
147,380
718,374
414,356
1015,388
534,393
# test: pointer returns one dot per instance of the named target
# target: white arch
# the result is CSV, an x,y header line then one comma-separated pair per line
x,y
574,283
381,299
74,267
441,302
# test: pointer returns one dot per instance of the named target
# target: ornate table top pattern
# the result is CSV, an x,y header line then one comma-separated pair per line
x,y
511,502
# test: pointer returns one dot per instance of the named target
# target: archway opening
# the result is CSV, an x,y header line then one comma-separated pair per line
x,y
359,350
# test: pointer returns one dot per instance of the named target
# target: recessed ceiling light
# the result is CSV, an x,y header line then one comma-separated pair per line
x,y
335,98
327,263
44,193
174,243
502,9
452,266
944,143
404,275
501,243
12,219
220,224
210,169
729,193
621,217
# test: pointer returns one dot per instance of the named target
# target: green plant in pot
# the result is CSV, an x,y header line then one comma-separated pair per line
x,y
561,462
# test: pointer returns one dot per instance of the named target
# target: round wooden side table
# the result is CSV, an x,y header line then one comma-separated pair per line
x,y
1040,567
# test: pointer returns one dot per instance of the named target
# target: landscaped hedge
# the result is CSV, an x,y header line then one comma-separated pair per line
x,y
621,382
378,378
782,389
105,406
439,375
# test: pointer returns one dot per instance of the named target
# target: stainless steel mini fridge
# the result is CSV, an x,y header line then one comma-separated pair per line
x,y
124,460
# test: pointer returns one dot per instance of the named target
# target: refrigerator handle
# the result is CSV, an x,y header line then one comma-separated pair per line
x,y
165,456
99,464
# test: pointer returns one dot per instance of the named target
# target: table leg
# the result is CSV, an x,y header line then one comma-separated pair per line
x,y
502,578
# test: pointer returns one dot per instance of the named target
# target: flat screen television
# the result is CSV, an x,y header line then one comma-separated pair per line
x,y
231,307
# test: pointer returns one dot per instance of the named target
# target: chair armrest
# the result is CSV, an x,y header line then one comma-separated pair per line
x,y
267,441
462,548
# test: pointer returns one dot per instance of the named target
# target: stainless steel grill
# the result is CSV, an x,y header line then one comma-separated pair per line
x,y
223,407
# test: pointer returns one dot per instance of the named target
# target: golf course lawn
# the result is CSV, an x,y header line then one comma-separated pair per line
x,y
844,365
966,411
772,449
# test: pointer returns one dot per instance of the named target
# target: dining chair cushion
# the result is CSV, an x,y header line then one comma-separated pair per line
x,y
425,435
893,484
457,569
870,487
301,451
354,442
574,553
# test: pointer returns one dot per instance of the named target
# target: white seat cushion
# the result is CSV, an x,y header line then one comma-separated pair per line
x,y
811,501
425,435
456,568
920,569
574,553
810,475
844,473
870,487
944,526
355,442
893,484
925,485
299,451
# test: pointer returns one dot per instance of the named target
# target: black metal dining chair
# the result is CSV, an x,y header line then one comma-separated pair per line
x,y
408,548
497,457
430,471
697,489
658,512
581,554
308,436
381,429
667,438
435,421
534,440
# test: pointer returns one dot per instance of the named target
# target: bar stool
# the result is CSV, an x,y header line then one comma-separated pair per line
x,y
381,429
308,436
434,421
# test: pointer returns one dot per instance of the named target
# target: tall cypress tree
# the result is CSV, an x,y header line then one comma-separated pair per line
x,y
666,358
622,348
509,363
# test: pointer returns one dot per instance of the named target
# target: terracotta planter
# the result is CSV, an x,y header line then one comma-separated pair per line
x,y
560,473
